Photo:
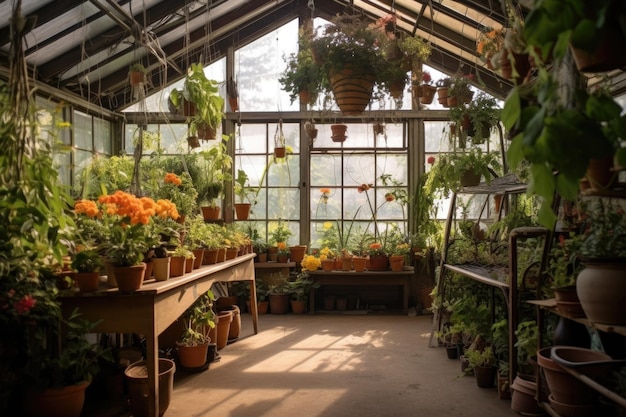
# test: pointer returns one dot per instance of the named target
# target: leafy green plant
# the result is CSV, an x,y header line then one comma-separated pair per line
x,y
279,233
197,320
484,358
87,261
215,163
302,73
202,92
300,288
241,185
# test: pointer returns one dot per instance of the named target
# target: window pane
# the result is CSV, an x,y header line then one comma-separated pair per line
x,y
83,135
284,203
102,136
325,170
252,139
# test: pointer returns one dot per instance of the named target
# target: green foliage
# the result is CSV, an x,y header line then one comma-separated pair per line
x,y
87,261
485,357
279,232
604,230
445,175
204,93
299,288
241,185
197,319
215,164
302,73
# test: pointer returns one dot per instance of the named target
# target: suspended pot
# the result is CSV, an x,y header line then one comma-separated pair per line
x,y
136,78
206,132
428,94
352,90
87,281
452,101
192,356
605,56
129,278
396,89
210,212
188,108
338,132
55,402
378,128
242,210
470,178
233,102
306,97
280,152
601,288
310,130
161,268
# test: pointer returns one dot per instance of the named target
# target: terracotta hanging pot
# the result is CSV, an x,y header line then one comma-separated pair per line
x,y
280,152
428,94
136,78
338,132
352,90
193,142
206,132
470,178
233,102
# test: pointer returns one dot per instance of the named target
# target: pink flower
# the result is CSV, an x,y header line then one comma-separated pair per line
x,y
431,160
25,304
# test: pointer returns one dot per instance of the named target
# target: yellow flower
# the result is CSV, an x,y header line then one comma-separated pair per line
x,y
311,263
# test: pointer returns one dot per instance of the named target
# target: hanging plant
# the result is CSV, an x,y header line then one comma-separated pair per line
x,y
280,149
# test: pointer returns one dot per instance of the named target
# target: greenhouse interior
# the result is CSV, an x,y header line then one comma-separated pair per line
x,y
312,207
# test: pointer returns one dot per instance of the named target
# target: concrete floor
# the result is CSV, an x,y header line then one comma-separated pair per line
x,y
334,365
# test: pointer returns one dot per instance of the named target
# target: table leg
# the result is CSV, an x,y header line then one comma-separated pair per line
x,y
254,306
405,297
152,362
312,301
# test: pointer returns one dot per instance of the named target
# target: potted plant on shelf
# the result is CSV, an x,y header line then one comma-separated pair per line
x,y
198,319
87,263
447,173
242,208
200,101
179,190
215,164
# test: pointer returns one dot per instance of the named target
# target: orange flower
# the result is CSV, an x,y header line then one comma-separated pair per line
x,y
389,197
281,245
86,207
171,178
375,246
325,190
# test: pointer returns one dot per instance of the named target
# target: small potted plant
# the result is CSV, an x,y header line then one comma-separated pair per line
x,y
137,75
87,263
215,164
482,362
200,101
242,208
302,78
193,346
299,290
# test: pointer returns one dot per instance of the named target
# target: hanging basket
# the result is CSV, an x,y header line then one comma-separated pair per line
x,y
280,149
193,142
338,132
280,152
137,78
206,132
352,90
428,94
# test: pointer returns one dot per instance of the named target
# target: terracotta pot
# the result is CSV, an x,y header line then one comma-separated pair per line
x,y
601,287
87,281
396,262
233,102
338,132
231,253
523,393
442,93
261,306
242,210
604,57
177,266
428,94
137,382
199,257
564,387
452,101
378,263
359,262
396,89
210,256
193,142
189,265
600,173
136,78
346,263
298,306
161,268
129,278
192,356
296,253
261,257
280,152
329,302
279,303
55,402
328,264
235,324
210,212
352,90
223,328
206,132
